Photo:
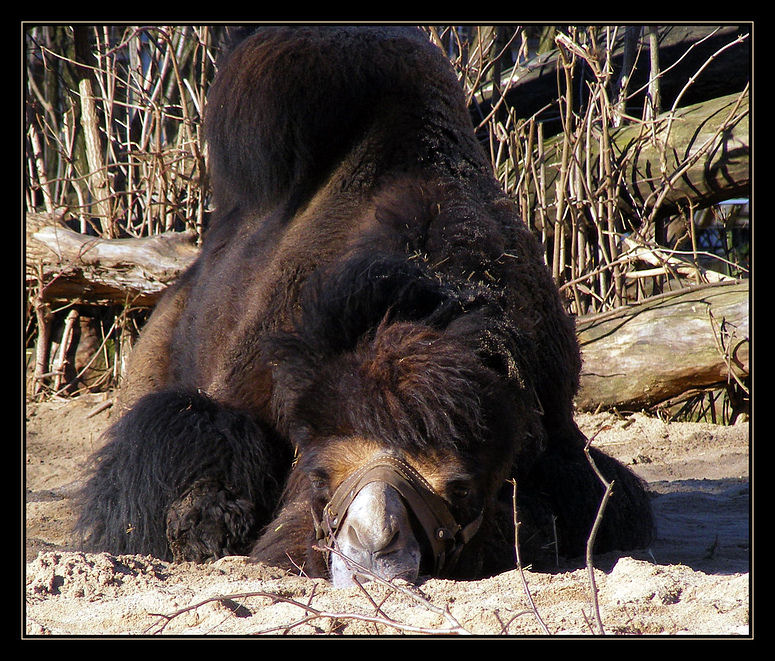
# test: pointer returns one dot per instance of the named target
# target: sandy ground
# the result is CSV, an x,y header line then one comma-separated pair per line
x,y
694,580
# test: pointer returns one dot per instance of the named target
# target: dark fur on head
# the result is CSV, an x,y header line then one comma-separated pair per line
x,y
345,308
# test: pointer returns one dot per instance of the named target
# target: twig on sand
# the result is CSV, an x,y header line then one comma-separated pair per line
x,y
593,533
528,596
336,617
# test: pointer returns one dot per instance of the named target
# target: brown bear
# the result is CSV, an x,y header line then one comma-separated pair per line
x,y
369,347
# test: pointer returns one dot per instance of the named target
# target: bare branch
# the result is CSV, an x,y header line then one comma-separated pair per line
x,y
593,533
525,587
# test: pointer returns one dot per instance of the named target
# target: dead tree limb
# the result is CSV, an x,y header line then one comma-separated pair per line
x,y
520,568
74,267
593,536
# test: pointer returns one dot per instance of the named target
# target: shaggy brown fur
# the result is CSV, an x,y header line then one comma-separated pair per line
x,y
363,278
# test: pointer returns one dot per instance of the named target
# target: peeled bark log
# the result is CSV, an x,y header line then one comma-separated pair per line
x,y
74,267
706,156
639,356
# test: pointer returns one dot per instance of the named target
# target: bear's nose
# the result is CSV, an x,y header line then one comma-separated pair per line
x,y
377,535
374,520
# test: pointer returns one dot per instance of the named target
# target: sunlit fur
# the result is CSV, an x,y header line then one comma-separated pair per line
x,y
344,455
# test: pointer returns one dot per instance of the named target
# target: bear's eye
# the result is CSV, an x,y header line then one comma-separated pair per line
x,y
319,480
459,490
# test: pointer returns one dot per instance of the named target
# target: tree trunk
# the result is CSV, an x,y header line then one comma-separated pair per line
x,y
639,356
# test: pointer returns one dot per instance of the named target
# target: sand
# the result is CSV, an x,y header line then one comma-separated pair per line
x,y
694,579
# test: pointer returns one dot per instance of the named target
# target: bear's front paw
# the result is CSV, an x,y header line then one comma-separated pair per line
x,y
208,522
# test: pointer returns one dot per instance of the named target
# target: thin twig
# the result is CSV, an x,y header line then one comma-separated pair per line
x,y
593,533
525,586
313,614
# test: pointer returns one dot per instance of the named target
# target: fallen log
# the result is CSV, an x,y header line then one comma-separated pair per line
x,y
639,356
75,267
699,155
